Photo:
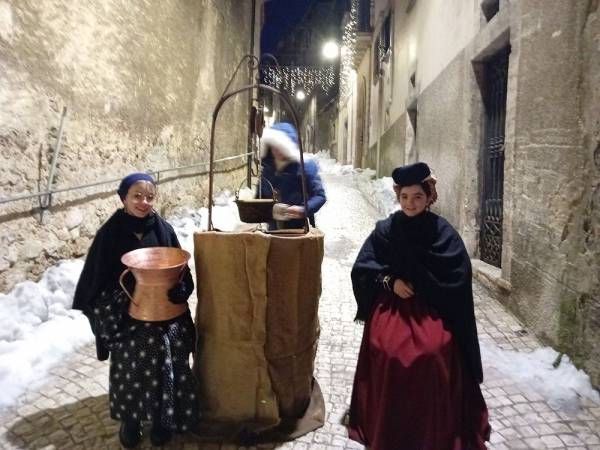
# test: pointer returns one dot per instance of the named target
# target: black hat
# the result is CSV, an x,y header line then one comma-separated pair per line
x,y
411,174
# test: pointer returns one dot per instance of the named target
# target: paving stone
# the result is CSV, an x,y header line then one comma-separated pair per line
x,y
570,440
516,444
553,441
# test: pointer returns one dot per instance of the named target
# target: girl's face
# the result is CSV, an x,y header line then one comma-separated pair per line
x,y
413,199
140,199
277,154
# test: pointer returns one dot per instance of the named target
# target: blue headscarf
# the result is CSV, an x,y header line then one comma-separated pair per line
x,y
131,179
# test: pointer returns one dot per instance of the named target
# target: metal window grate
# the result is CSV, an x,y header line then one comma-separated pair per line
x,y
494,96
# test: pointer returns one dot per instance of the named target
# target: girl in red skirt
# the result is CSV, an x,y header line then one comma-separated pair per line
x,y
417,379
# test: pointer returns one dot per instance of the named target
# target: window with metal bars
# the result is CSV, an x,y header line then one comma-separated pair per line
x,y
383,46
495,78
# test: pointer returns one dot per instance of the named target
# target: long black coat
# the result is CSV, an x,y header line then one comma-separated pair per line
x,y
103,264
427,252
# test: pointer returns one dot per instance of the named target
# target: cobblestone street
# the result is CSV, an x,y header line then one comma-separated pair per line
x,y
70,410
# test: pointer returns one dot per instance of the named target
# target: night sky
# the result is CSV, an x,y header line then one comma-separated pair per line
x,y
280,18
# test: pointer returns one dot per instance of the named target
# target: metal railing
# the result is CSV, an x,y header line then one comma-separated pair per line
x,y
155,173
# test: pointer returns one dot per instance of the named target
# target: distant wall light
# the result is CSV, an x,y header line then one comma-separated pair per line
x,y
331,50
300,95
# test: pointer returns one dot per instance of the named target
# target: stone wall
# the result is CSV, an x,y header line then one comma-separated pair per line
x,y
371,157
439,136
588,326
554,257
139,84
391,146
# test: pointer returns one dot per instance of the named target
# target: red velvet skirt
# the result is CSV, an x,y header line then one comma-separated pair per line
x,y
412,390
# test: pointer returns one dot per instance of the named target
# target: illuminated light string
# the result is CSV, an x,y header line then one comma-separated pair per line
x,y
306,78
348,52
298,78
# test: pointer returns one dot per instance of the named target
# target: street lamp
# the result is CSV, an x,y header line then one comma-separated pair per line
x,y
300,95
331,50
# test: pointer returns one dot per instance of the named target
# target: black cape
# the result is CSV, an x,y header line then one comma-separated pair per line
x,y
103,266
428,252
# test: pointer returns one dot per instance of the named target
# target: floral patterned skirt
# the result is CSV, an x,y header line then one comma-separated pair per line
x,y
150,377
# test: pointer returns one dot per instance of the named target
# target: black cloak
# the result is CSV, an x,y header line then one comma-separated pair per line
x,y
103,266
427,252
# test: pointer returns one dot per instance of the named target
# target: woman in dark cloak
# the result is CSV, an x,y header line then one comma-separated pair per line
x,y
417,379
150,378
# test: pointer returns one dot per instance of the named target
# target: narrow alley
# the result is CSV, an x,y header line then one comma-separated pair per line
x,y
69,411
180,152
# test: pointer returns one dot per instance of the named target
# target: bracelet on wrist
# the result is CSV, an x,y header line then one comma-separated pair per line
x,y
388,283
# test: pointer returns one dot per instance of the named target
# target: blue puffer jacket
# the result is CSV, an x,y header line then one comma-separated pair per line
x,y
288,185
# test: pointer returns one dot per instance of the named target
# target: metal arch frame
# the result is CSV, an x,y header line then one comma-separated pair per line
x,y
288,102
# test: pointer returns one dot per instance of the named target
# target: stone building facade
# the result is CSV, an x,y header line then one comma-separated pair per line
x,y
502,99
139,84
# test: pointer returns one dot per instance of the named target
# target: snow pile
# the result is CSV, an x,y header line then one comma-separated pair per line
x,y
38,328
185,224
534,372
225,213
329,165
225,217
378,191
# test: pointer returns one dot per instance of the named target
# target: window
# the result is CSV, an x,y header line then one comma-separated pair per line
x,y
364,16
383,46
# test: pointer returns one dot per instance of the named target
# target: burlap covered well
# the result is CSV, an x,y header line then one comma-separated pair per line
x,y
258,326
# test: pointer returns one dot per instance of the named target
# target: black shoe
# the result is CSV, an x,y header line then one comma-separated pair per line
x,y
159,436
130,434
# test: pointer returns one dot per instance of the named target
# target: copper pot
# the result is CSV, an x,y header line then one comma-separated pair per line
x,y
156,270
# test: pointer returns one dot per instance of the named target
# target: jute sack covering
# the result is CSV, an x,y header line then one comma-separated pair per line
x,y
257,323
293,290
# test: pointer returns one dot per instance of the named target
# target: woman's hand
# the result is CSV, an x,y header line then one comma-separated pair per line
x,y
179,293
403,289
295,212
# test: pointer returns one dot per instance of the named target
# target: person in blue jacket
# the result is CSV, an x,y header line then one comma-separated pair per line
x,y
282,177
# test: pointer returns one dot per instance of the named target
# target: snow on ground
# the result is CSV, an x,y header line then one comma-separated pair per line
x,y
561,386
38,329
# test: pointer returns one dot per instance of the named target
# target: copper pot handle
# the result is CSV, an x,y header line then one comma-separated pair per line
x,y
123,286
182,273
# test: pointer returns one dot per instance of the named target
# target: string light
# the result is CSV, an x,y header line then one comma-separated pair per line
x,y
298,78
306,78
348,52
